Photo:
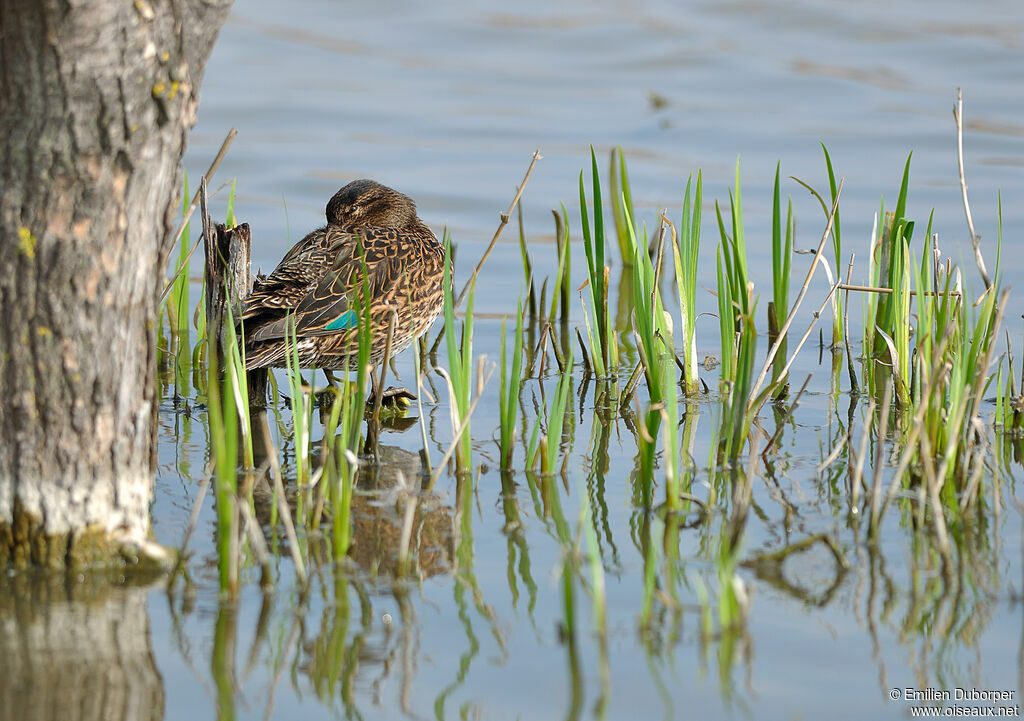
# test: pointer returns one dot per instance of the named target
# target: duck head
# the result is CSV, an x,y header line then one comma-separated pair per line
x,y
367,202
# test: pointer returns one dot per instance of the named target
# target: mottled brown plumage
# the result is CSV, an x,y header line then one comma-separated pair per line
x,y
319,281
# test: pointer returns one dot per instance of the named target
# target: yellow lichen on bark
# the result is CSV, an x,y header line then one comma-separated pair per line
x,y
26,243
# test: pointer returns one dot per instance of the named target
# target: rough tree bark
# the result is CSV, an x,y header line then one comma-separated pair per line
x,y
96,99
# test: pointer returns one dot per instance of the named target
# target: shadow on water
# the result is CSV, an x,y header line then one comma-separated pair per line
x,y
391,499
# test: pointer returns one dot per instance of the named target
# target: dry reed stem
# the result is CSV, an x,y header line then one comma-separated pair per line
x,y
862,452
958,110
420,389
586,356
191,209
799,299
286,653
844,440
854,388
785,419
501,226
658,243
463,422
378,390
540,351
631,384
938,374
971,490
411,500
550,329
888,291
259,545
932,480
796,351
193,519
997,321
876,481
282,502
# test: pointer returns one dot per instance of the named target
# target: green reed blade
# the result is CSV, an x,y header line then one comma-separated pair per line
x,y
229,217
685,252
726,322
238,380
901,201
510,387
622,201
604,353
459,359
837,248
556,418
223,437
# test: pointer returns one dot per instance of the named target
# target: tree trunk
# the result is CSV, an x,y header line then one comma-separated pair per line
x,y
96,100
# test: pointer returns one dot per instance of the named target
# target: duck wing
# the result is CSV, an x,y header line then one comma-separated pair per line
x,y
302,267
328,307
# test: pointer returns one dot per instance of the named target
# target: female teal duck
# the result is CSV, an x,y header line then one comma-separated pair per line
x,y
315,283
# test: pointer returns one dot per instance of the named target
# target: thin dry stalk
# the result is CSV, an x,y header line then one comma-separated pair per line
x,y
803,339
541,352
958,110
876,482
463,422
298,616
658,245
970,493
411,500
785,419
550,329
844,440
587,368
997,321
321,489
378,392
282,503
191,209
420,389
259,545
501,226
857,477
204,485
938,512
631,384
888,291
854,388
741,497
938,375
799,299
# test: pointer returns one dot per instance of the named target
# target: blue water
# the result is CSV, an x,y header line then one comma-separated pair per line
x,y
447,102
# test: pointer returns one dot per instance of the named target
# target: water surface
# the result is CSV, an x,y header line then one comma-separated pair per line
x,y
447,103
